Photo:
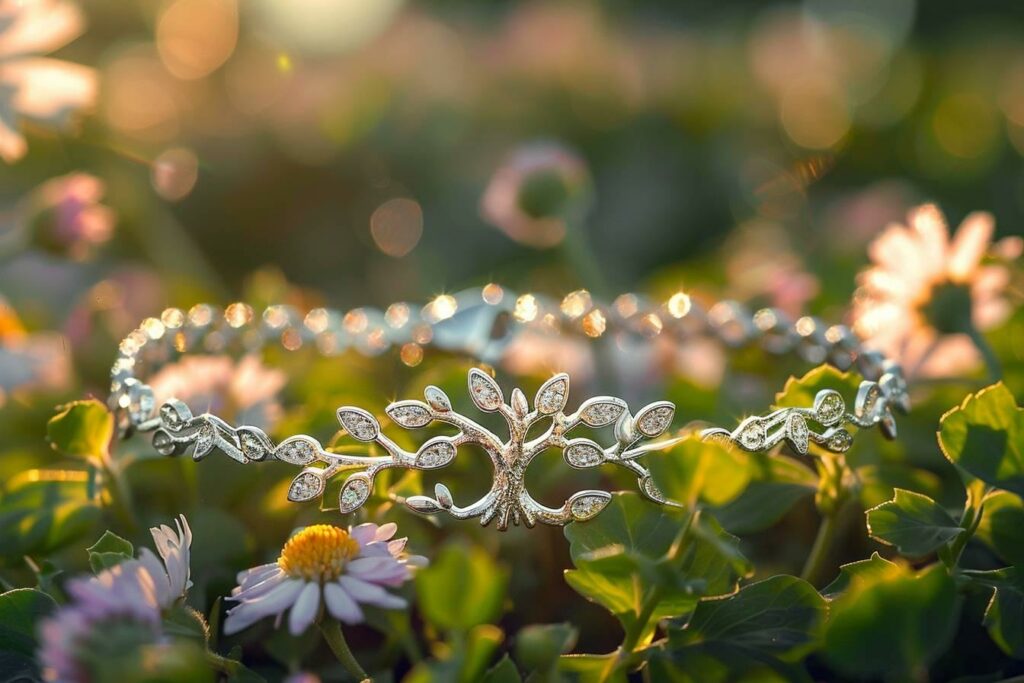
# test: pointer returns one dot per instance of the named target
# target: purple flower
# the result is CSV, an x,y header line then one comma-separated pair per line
x,y
324,563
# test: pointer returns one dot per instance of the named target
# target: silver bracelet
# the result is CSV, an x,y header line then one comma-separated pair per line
x,y
481,323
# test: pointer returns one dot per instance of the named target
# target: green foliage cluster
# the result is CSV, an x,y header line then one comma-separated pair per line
x,y
686,592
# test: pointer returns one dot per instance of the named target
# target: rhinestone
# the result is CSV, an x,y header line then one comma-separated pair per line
x,y
586,506
753,435
797,432
306,486
552,395
829,407
484,391
409,415
297,451
354,493
253,443
840,441
437,454
359,423
654,421
601,412
583,454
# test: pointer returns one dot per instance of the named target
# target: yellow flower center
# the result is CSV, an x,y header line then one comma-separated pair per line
x,y
318,553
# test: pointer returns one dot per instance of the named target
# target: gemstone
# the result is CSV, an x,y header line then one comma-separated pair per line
x,y
602,411
651,490
359,423
552,395
839,441
163,443
141,402
409,414
206,437
797,432
752,434
437,399
587,504
867,399
655,419
435,454
829,407
253,443
306,486
175,415
297,451
583,453
354,493
484,391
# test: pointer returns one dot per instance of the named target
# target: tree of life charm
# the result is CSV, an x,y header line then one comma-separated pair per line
x,y
507,502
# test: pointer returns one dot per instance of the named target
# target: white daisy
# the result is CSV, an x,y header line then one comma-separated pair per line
x,y
324,563
171,577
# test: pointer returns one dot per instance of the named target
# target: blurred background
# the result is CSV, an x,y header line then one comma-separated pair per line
x,y
367,151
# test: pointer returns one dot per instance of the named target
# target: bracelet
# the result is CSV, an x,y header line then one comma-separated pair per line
x,y
481,323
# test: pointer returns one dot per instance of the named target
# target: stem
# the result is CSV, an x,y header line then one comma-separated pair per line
x,y
331,630
651,600
221,663
815,564
995,368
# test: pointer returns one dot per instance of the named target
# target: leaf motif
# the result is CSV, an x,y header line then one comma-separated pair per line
x,y
583,453
253,443
519,405
355,492
409,414
437,399
359,423
297,450
484,391
423,504
797,432
587,504
307,485
435,453
206,439
552,395
654,419
444,496
601,411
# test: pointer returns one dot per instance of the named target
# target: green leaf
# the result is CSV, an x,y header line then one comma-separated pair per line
x,y
1004,615
985,437
780,617
875,566
539,646
777,483
695,470
619,558
1004,619
81,429
799,392
892,624
21,611
1002,526
181,621
586,668
38,516
462,588
504,671
108,551
720,662
912,522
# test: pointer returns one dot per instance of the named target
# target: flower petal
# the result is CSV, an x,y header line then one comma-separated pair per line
x,y
969,245
304,610
371,594
341,605
251,611
364,533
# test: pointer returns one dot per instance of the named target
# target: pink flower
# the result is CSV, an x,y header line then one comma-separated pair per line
x,y
244,390
533,194
324,564
67,218
37,88
924,292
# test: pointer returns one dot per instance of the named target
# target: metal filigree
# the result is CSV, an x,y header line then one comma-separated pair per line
x,y
872,406
507,502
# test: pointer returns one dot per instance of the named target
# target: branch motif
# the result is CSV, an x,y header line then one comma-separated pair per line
x,y
507,501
